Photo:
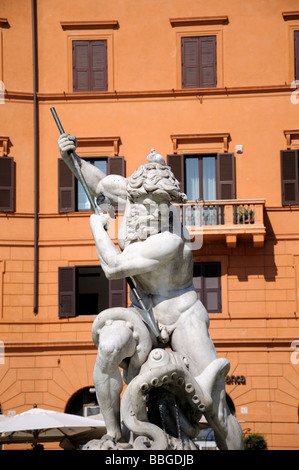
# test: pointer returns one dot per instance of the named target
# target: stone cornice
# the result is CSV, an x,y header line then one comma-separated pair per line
x,y
211,137
79,25
290,15
12,347
3,22
149,94
200,20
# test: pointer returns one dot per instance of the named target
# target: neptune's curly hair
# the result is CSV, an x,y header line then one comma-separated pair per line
x,y
156,179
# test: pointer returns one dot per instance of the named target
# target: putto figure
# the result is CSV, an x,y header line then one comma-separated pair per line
x,y
168,389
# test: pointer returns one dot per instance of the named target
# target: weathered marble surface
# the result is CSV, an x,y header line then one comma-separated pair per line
x,y
168,390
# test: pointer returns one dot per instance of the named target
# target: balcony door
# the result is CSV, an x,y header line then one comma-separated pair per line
x,y
200,181
200,174
206,178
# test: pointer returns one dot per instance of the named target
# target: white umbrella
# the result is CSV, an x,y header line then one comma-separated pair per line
x,y
39,425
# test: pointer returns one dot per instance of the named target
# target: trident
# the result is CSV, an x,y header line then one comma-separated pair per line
x,y
145,313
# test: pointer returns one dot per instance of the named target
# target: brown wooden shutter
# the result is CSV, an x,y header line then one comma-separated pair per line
x,y
81,66
208,72
66,188
116,166
7,184
98,69
296,54
225,174
199,65
212,287
67,292
289,177
90,66
197,279
207,283
117,293
190,62
176,163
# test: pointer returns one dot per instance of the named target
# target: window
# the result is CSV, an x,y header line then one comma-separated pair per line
x,y
85,290
7,184
207,283
201,178
82,201
296,54
71,196
205,177
198,57
90,66
290,177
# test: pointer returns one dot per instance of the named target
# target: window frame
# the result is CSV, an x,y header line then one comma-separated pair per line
x,y
205,289
90,66
285,181
9,188
94,271
199,41
68,287
223,260
199,158
177,163
90,160
196,31
87,36
72,187
293,26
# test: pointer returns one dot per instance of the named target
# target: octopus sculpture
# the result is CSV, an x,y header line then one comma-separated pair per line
x,y
162,405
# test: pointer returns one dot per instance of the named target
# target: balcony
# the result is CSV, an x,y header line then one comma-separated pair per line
x,y
227,220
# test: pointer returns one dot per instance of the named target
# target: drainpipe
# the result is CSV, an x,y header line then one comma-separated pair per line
x,y
36,155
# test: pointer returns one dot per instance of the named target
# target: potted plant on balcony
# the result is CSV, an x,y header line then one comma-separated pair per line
x,y
244,215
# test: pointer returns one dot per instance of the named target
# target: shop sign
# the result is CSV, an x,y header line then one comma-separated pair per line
x,y
235,379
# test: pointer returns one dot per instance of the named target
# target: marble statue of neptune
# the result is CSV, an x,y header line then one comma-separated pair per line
x,y
157,256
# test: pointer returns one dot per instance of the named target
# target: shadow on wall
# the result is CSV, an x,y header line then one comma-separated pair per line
x,y
256,261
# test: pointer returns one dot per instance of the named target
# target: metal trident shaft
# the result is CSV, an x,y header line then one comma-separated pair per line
x,y
146,314
76,165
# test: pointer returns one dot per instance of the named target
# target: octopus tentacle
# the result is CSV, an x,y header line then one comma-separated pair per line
x,y
140,332
167,370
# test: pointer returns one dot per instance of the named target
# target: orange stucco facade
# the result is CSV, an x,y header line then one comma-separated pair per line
x,y
46,359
